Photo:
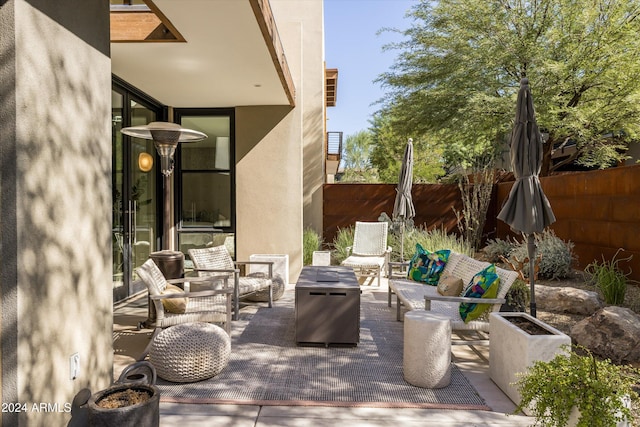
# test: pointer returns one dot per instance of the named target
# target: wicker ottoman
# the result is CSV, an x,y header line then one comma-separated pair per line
x,y
427,349
278,287
190,352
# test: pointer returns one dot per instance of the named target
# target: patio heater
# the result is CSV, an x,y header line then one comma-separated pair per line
x,y
166,137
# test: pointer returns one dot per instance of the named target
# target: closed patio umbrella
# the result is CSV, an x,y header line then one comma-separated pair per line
x,y
403,207
527,209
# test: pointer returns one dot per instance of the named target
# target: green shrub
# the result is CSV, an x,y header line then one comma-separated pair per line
x,y
311,242
607,277
431,240
519,296
557,256
498,247
342,241
596,387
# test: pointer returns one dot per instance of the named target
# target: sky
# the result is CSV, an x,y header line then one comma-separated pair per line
x,y
353,46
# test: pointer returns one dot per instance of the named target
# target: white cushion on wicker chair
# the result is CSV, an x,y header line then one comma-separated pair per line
x,y
190,352
369,254
215,261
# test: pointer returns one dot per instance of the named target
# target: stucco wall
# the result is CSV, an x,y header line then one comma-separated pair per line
x,y
279,150
56,204
309,15
269,184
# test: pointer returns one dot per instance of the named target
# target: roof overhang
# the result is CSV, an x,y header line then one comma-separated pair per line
x,y
196,53
331,86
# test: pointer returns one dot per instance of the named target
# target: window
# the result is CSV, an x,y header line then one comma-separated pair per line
x,y
205,184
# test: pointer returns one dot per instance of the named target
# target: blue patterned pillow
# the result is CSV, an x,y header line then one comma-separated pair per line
x,y
483,285
427,266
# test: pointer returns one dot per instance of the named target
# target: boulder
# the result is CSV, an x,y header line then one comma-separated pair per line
x,y
567,300
613,332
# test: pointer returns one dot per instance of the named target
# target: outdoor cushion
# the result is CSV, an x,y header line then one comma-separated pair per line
x,y
427,266
450,286
174,305
483,285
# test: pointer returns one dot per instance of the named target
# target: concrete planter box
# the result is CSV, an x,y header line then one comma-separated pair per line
x,y
512,350
575,415
321,258
280,265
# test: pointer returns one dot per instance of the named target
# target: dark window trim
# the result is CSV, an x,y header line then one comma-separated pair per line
x,y
178,113
131,93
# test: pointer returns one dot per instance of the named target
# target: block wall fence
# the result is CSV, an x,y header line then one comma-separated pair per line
x,y
599,211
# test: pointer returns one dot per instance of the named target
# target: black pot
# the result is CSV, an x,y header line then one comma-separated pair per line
x,y
146,414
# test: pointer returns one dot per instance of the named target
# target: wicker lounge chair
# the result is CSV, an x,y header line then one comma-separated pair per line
x,y
369,253
211,305
215,261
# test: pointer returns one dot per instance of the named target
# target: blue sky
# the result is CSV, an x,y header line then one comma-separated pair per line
x,y
353,46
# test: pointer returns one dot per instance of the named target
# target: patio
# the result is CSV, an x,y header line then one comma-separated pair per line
x,y
472,362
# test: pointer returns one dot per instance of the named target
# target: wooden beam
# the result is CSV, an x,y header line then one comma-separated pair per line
x,y
143,26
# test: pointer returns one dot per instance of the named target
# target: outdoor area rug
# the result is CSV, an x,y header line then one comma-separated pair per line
x,y
268,368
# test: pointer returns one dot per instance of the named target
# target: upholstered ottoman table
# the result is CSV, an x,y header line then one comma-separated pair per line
x,y
427,349
190,352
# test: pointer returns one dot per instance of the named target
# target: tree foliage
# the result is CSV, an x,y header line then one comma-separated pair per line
x,y
459,68
356,158
388,150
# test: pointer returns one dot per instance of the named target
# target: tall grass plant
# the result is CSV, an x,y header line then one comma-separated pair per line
x,y
311,241
609,278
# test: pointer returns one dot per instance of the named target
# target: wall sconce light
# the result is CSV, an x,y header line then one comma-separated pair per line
x,y
145,162
166,137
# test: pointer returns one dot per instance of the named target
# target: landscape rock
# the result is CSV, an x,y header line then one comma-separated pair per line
x,y
613,332
567,300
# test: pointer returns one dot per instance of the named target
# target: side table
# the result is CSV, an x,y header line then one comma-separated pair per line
x,y
427,349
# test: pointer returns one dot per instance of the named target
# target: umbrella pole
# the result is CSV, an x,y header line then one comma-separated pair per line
x,y
402,243
531,249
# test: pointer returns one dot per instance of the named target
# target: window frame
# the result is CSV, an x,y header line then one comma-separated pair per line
x,y
179,113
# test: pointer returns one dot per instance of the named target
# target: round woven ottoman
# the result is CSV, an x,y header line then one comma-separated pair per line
x,y
190,352
277,284
427,349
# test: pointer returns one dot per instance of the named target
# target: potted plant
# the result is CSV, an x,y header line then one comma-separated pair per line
x,y
517,340
577,390
133,400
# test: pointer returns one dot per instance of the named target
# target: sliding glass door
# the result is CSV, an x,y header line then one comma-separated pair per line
x,y
136,185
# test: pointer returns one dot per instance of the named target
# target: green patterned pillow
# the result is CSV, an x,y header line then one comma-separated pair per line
x,y
427,266
483,285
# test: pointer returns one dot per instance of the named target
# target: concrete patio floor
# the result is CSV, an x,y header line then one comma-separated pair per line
x,y
472,361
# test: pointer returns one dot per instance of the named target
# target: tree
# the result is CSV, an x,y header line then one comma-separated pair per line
x,y
356,158
388,150
459,68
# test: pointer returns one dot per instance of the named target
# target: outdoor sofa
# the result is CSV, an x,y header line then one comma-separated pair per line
x,y
414,295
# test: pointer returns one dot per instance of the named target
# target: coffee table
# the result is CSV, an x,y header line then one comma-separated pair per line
x,y
327,306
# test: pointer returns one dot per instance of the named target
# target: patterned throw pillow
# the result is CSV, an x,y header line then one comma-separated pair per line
x,y
426,266
483,285
450,286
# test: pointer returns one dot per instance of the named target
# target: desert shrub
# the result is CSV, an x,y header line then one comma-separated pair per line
x,y
497,247
557,256
342,241
519,296
432,240
608,277
311,241
476,189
